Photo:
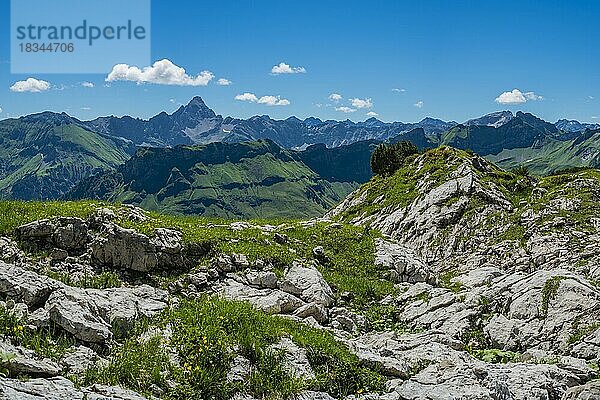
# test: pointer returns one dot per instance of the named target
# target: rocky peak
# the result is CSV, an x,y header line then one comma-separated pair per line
x,y
193,113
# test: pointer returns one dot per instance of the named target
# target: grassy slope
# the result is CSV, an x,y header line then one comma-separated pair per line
x,y
42,152
553,155
255,186
209,332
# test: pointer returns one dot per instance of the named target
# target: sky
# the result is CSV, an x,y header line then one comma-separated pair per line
x,y
396,60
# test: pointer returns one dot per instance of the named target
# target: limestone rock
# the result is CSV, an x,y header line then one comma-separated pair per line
x,y
21,285
307,283
262,279
295,359
402,262
27,362
80,359
58,388
89,314
124,249
272,301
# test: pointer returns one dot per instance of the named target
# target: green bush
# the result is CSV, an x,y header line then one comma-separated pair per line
x,y
387,159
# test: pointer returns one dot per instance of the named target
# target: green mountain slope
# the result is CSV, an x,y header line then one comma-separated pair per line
x,y
248,180
553,155
43,156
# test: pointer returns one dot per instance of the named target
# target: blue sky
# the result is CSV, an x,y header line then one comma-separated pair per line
x,y
447,59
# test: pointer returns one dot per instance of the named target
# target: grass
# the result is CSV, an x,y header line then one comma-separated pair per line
x,y
207,334
16,213
445,281
350,249
104,280
549,293
496,356
581,332
46,342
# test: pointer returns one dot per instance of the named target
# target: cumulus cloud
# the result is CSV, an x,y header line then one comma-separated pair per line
x,y
517,97
247,97
268,100
86,108
223,82
532,96
361,103
419,104
87,84
162,72
273,101
345,110
0,110
284,68
335,97
30,85
372,114
398,90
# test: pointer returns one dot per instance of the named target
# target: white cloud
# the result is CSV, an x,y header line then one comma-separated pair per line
x,y
397,90
517,97
345,110
591,97
30,85
595,117
247,97
223,82
87,84
361,103
0,110
268,100
86,108
419,104
372,114
532,96
284,68
162,72
336,97
273,101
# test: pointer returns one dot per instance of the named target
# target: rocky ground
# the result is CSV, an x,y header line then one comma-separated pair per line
x,y
459,281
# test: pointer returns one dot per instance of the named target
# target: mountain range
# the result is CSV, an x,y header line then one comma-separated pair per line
x,y
47,155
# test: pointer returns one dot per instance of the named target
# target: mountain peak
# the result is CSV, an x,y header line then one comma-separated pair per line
x,y
196,101
194,111
495,119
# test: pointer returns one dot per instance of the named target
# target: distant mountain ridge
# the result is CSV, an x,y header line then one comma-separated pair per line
x,y
243,180
45,155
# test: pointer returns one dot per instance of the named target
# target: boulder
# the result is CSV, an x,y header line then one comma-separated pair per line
x,y
122,248
90,314
240,369
589,391
317,311
307,283
80,359
66,233
9,251
27,362
402,262
25,286
272,301
262,279
58,388
295,360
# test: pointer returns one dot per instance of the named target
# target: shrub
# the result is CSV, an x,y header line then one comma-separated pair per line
x,y
387,159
